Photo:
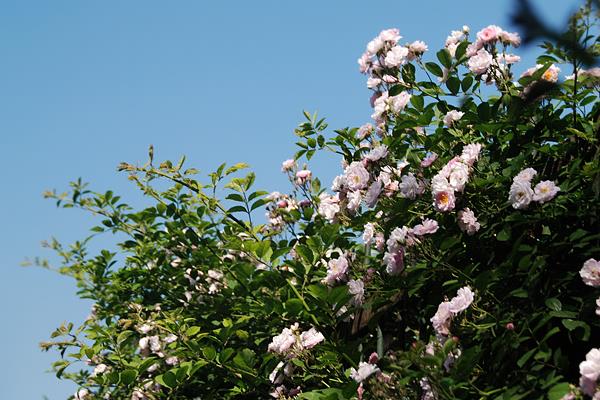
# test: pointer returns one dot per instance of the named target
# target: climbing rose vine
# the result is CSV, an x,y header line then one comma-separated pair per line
x,y
453,257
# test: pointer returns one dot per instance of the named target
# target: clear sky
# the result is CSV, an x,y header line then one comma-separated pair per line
x,y
85,85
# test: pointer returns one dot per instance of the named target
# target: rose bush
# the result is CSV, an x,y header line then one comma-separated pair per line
x,y
454,256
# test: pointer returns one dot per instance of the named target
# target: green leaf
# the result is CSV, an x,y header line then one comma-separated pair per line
x,y
305,253
197,365
434,69
192,331
209,353
571,325
521,293
417,102
453,84
169,379
445,58
483,111
123,336
461,50
235,168
525,357
128,376
294,306
236,209
258,203
554,304
396,90
235,197
503,235
557,391
244,359
466,83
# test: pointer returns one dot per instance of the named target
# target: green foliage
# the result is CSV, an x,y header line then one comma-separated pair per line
x,y
188,302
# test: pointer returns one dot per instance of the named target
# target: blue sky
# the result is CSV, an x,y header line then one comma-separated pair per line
x,y
85,85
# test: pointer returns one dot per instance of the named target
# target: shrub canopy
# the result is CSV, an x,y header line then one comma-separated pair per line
x,y
452,258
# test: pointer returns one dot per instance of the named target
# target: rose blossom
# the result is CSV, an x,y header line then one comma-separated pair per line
x,y
399,102
454,37
373,194
328,206
368,233
375,45
396,56
372,83
364,131
284,341
336,270
303,176
364,62
511,38
364,371
444,200
545,191
520,194
288,165
377,153
441,319
357,289
409,187
354,199
467,222
459,175
417,48
470,153
550,75
430,159
489,34
590,369
387,78
462,300
448,309
379,241
452,116
357,177
480,62
427,227
81,394
509,58
311,338
590,273
379,106
398,236
394,261
390,35
525,175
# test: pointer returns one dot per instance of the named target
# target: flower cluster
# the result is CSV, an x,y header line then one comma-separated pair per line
x,y
381,61
521,193
467,222
364,181
290,342
447,310
337,270
453,177
485,60
278,208
403,237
